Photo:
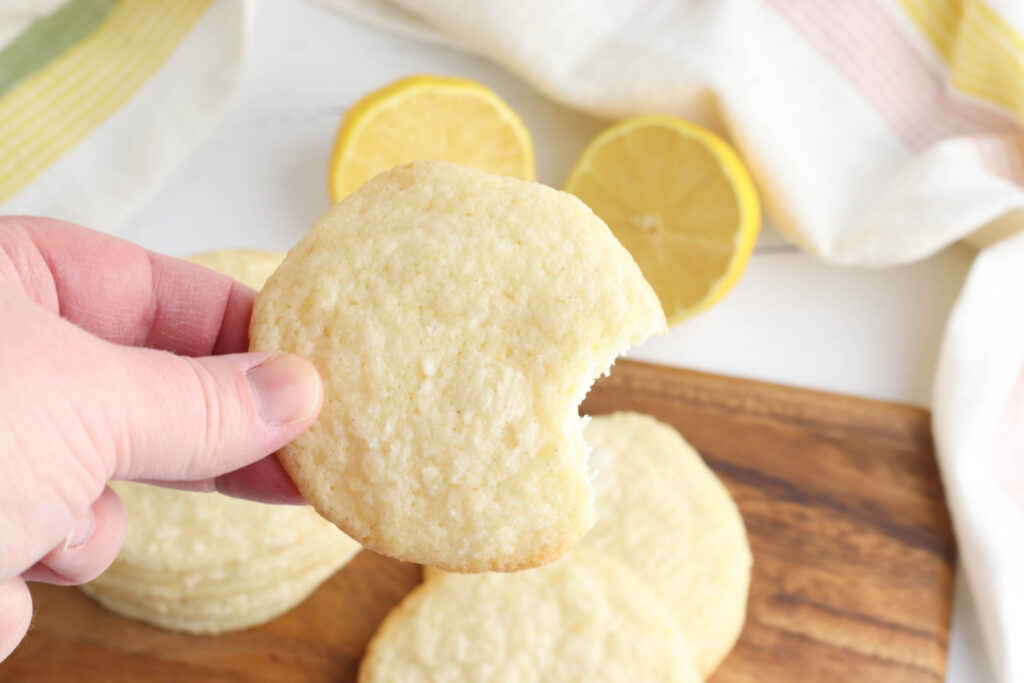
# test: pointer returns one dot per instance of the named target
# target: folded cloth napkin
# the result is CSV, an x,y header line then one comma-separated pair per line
x,y
85,83
878,131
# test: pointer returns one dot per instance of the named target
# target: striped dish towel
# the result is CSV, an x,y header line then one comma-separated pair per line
x,y
100,99
878,132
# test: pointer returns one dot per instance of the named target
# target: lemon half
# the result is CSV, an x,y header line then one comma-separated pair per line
x,y
429,117
679,199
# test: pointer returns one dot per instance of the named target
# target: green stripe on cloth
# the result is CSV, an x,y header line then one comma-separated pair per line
x,y
48,37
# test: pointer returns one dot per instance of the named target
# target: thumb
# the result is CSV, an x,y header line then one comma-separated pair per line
x,y
193,418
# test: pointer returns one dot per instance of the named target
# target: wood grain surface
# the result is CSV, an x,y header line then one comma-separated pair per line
x,y
853,553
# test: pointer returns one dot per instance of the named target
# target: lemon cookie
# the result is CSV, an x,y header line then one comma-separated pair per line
x,y
665,514
173,534
457,319
229,607
586,617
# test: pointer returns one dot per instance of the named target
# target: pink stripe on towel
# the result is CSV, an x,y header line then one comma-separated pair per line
x,y
867,45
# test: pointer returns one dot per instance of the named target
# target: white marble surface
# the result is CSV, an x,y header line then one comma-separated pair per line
x,y
260,181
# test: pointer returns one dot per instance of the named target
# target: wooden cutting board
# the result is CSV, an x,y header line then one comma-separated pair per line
x,y
853,555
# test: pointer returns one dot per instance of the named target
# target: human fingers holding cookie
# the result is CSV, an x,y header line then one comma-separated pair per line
x,y
117,363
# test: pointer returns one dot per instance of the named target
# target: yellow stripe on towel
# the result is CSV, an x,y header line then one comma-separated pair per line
x,y
938,20
985,54
988,59
47,114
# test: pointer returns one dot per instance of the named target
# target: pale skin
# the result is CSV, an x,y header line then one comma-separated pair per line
x,y
118,363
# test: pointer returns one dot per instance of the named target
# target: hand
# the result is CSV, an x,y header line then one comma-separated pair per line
x,y
117,363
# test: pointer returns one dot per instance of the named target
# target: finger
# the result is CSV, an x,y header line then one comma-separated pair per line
x,y
89,548
122,292
264,481
15,615
182,419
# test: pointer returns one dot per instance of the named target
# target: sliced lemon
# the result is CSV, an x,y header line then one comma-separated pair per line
x,y
679,199
429,117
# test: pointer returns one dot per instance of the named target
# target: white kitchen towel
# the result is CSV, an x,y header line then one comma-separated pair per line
x,y
977,410
878,131
101,99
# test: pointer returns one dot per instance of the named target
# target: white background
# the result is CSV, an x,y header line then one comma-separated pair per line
x,y
259,181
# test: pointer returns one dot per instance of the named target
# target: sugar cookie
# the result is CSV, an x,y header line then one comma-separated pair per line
x,y
457,319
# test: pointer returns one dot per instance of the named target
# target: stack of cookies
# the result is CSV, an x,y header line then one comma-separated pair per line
x,y
207,563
